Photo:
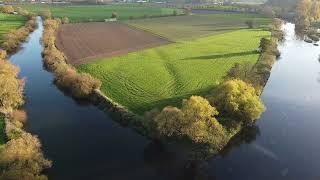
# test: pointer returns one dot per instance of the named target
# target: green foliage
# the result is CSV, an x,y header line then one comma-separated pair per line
x,y
250,23
239,100
156,77
100,12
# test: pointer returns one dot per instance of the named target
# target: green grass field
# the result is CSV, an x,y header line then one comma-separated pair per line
x,y
99,13
10,22
164,75
181,28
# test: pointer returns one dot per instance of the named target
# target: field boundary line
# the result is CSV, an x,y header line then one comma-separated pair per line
x,y
149,31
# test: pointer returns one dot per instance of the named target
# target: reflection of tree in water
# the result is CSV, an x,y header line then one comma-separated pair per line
x,y
246,136
174,165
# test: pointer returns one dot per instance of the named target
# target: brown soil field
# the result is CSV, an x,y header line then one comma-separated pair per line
x,y
86,42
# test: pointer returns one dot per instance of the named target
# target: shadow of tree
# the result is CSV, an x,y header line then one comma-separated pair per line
x,y
218,56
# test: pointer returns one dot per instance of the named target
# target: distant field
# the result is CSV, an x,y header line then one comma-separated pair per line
x,y
181,28
9,22
164,75
101,12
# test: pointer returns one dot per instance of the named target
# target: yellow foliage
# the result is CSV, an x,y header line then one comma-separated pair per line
x,y
238,99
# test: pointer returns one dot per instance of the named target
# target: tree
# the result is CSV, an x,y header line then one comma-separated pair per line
x,y
195,120
239,100
249,23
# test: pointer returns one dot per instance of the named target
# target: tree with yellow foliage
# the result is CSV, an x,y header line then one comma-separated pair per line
x,y
239,100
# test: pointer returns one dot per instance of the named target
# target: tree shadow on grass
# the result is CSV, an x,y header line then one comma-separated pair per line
x,y
218,56
173,101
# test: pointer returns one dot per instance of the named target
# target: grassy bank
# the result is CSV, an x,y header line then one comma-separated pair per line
x,y
101,12
181,28
8,23
161,76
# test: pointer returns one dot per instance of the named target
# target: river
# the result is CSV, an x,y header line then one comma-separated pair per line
x,y
85,143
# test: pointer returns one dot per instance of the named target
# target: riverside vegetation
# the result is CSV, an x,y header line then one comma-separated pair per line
x,y
20,152
80,85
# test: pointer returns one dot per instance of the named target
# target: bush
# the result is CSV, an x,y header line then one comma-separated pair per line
x,y
80,85
6,9
175,13
3,54
65,20
46,14
22,159
239,100
250,23
114,15
11,94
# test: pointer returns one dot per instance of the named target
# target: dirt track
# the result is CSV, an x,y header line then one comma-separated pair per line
x,y
85,42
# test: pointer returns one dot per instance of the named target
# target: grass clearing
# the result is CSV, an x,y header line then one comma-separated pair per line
x,y
182,28
100,12
161,76
10,22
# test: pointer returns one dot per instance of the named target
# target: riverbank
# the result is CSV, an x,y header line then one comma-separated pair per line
x,y
21,156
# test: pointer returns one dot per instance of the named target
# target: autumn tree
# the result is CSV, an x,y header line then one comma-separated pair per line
x,y
239,100
22,158
195,120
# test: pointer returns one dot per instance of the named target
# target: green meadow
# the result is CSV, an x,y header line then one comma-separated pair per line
x,y
101,12
9,22
156,77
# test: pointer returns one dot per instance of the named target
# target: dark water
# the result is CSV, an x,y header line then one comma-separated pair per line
x,y
85,143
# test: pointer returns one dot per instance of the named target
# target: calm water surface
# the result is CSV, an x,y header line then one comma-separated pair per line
x,y
85,143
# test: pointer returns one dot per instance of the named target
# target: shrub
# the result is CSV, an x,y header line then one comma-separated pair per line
x,y
249,23
80,85
3,54
175,12
114,15
46,14
65,20
22,158
6,9
238,99
11,94
22,12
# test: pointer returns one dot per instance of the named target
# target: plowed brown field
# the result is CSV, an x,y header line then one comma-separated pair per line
x,y
85,42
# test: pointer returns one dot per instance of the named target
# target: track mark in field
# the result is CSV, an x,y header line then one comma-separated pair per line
x,y
175,85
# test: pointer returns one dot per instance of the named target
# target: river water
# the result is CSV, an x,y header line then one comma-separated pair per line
x,y
85,143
